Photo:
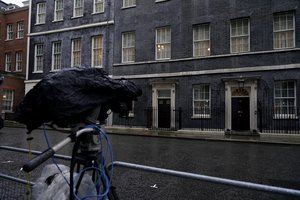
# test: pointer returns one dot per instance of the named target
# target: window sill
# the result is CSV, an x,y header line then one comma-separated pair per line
x,y
60,20
55,70
123,8
37,72
37,24
97,13
128,62
204,116
160,1
75,17
285,116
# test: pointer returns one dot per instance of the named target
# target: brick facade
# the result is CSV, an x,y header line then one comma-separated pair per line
x,y
14,78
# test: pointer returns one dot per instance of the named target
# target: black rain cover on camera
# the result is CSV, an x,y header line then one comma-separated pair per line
x,y
69,96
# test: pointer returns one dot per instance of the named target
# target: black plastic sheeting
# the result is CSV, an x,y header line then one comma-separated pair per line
x,y
68,97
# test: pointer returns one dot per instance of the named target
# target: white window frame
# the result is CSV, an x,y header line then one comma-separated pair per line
x,y
58,10
97,62
242,35
283,33
41,13
38,57
76,52
157,1
20,29
203,113
56,56
201,37
9,32
282,107
163,43
131,111
78,8
19,60
8,100
129,3
128,47
8,62
98,6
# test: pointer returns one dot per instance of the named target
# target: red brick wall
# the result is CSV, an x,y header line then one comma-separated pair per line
x,y
13,80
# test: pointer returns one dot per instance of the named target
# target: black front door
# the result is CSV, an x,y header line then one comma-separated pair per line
x,y
240,113
164,113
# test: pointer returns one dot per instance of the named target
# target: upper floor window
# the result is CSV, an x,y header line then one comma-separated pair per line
x,y
201,37
78,8
56,55
284,99
76,52
163,43
97,51
239,35
39,58
41,13
59,10
8,99
19,60
201,101
20,29
9,32
8,62
129,3
98,6
284,30
128,47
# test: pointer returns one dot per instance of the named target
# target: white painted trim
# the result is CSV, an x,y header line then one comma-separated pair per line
x,y
250,85
209,57
28,40
214,71
105,23
163,86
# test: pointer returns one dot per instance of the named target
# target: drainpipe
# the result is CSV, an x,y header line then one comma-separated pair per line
x,y
28,40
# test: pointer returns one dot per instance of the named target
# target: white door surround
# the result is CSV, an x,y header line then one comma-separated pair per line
x,y
241,87
156,87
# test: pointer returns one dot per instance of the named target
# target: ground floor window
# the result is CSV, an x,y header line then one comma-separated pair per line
x,y
8,100
201,101
285,98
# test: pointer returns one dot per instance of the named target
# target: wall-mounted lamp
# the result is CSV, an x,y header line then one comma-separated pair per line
x,y
241,83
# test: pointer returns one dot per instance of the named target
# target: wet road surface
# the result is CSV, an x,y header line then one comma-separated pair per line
x,y
276,165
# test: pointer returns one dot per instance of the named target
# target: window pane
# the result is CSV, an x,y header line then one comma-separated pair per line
x,y
76,52
240,35
8,96
41,13
128,47
56,57
201,40
97,51
98,6
284,97
201,100
284,29
163,43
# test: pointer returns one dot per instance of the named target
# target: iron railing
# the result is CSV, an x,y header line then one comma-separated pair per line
x,y
282,121
269,120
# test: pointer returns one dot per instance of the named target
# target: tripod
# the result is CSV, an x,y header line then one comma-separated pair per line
x,y
87,157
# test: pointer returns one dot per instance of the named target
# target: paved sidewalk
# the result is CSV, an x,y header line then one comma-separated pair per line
x,y
216,136
202,135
